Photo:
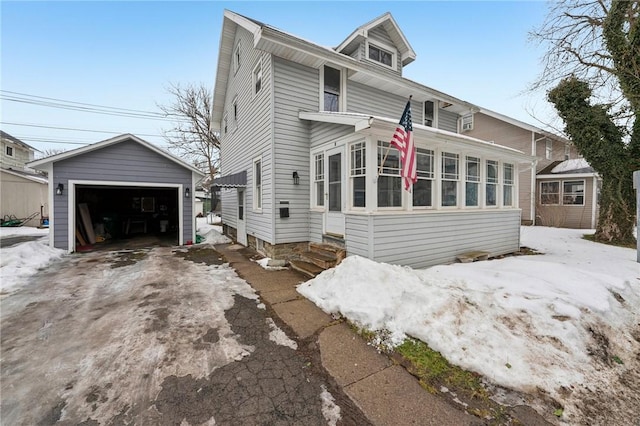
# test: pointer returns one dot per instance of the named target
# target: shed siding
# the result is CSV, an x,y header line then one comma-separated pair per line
x,y
567,216
249,138
426,239
123,162
296,89
447,120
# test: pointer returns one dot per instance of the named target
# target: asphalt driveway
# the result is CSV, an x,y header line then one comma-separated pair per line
x,y
151,336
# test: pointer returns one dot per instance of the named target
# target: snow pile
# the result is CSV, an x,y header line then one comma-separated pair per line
x,y
330,410
212,234
279,337
264,262
523,322
571,165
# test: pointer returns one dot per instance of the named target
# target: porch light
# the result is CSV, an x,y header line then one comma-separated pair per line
x,y
296,178
59,189
187,194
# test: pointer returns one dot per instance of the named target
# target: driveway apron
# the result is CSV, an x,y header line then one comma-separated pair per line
x,y
152,336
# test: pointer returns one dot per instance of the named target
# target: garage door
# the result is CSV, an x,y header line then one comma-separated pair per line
x,y
127,216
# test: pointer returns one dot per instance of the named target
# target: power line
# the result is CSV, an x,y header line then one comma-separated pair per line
x,y
74,129
84,107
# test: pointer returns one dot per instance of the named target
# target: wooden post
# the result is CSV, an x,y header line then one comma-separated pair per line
x,y
636,185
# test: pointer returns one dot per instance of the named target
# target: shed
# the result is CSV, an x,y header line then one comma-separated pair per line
x,y
119,188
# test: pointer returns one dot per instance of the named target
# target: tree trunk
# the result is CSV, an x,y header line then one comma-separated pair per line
x,y
617,214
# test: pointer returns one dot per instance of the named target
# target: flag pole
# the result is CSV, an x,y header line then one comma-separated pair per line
x,y
386,154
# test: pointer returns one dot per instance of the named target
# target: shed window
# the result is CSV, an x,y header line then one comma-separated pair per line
x,y
573,193
358,171
389,181
549,193
331,89
449,176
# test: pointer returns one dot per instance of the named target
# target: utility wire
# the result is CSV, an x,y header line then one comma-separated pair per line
x,y
74,129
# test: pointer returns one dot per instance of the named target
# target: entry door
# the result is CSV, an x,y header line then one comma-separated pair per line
x,y
242,228
334,218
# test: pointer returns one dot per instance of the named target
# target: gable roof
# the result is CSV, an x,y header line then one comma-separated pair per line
x,y
40,164
407,54
284,45
576,166
7,136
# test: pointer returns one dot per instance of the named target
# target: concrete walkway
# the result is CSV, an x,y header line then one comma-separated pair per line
x,y
386,393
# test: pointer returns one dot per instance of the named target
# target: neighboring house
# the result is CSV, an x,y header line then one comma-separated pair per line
x,y
305,133
124,185
23,193
568,195
548,148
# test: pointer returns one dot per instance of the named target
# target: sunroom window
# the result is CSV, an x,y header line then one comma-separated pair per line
x,y
319,179
573,193
507,189
389,179
449,175
472,181
423,188
491,193
358,171
550,193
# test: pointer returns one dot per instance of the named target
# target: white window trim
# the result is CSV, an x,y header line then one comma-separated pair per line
x,y
584,185
385,47
479,182
403,197
6,151
441,179
234,112
559,203
314,189
351,177
225,124
254,186
342,102
258,66
548,149
467,123
433,179
486,182
436,107
237,55
505,184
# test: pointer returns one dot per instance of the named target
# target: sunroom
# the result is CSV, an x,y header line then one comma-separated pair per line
x,y
465,198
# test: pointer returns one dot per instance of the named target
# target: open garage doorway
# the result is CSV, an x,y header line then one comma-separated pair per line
x,y
114,217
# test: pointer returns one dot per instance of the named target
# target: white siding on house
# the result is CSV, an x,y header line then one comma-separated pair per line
x,y
447,120
315,226
296,88
326,132
250,139
368,100
421,240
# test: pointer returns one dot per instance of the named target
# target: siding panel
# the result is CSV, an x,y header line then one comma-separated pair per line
x,y
447,120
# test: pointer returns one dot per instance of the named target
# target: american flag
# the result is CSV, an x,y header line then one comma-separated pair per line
x,y
403,140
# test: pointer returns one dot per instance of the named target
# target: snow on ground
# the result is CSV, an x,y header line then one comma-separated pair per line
x,y
23,260
211,233
330,410
553,321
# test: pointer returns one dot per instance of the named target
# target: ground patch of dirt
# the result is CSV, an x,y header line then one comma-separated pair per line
x,y
205,254
126,258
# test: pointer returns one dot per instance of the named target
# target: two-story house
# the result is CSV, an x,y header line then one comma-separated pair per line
x,y
305,151
23,193
562,190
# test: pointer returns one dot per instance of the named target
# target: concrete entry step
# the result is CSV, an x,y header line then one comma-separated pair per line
x,y
307,268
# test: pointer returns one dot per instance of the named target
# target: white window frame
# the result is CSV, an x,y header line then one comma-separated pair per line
x,y
357,171
449,177
237,52
234,111
318,177
473,180
257,184
495,181
9,151
257,77
567,151
559,193
466,123
426,175
508,183
343,88
434,124
574,194
548,149
385,48
225,124
381,151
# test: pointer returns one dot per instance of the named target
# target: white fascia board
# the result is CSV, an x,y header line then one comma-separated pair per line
x,y
568,176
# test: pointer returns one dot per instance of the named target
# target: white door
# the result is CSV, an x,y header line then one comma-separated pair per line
x,y
334,218
242,228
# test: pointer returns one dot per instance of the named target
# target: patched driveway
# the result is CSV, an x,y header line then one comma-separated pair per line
x,y
152,336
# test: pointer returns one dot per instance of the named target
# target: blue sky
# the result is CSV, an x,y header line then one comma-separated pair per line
x,y
124,54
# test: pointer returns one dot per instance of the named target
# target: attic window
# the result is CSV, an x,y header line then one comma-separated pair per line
x,y
9,151
236,58
380,55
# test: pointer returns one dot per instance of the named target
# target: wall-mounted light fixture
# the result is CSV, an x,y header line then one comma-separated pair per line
x,y
187,194
59,189
296,178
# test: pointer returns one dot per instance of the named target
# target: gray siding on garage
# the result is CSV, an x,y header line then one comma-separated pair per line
x,y
421,240
296,89
126,161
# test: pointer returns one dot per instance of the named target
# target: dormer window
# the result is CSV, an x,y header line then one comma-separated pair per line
x,y
381,55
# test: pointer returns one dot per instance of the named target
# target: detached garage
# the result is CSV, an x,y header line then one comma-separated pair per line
x,y
118,189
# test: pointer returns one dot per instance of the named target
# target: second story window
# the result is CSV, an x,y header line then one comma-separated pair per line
x,y
9,151
257,78
567,151
236,59
331,89
548,149
429,114
380,55
234,108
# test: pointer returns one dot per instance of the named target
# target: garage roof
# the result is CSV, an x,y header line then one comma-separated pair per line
x,y
40,164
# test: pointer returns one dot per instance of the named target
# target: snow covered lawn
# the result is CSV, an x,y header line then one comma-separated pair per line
x,y
565,323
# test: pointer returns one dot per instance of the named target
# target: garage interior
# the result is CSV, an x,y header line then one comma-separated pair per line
x,y
126,216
